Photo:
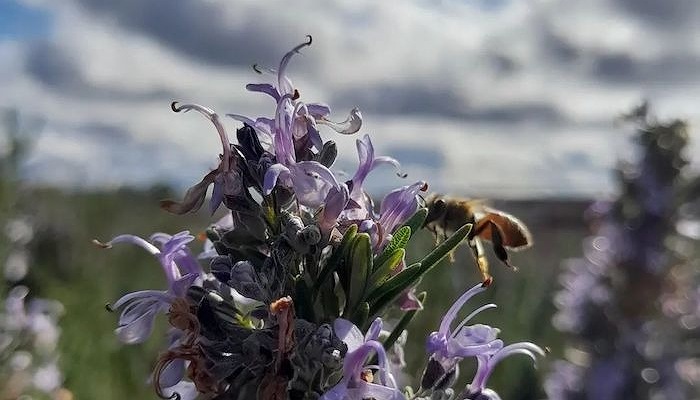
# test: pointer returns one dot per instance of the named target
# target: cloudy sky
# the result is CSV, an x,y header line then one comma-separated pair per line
x,y
506,98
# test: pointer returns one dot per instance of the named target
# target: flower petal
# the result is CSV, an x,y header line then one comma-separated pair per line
x,y
451,314
399,205
272,175
138,330
264,88
194,198
318,110
348,333
351,125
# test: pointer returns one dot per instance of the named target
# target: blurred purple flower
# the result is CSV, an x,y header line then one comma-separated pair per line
x,y
355,384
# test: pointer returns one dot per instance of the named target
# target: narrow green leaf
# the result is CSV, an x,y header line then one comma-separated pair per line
x,y
333,261
417,220
398,241
360,267
392,289
360,315
383,272
390,297
399,282
444,248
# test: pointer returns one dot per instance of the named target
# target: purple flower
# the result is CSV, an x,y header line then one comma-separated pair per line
x,y
487,362
399,205
311,181
368,162
292,132
358,380
139,309
226,178
307,116
448,346
334,204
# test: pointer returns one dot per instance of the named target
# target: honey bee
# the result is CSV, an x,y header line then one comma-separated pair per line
x,y
504,231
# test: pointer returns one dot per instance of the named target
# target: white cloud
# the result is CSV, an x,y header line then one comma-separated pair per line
x,y
519,99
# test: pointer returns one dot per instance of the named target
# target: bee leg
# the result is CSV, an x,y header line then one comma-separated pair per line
x,y
444,237
497,241
434,230
480,257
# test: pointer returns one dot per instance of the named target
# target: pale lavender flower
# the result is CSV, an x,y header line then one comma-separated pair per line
x,y
354,385
448,346
367,163
307,116
139,309
311,181
29,334
399,205
487,362
334,204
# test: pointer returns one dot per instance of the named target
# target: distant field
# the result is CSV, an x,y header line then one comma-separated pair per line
x,y
69,268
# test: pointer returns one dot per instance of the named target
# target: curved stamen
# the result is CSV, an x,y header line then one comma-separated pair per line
x,y
214,118
452,312
133,239
255,68
470,316
281,79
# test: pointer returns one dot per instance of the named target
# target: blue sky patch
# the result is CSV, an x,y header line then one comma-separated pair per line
x,y
21,22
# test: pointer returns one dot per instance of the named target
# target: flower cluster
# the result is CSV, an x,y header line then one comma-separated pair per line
x,y
301,264
28,339
29,332
622,345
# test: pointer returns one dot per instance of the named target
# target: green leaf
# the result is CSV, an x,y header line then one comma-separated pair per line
x,y
392,289
444,248
417,220
383,272
334,260
360,268
396,284
398,241
359,317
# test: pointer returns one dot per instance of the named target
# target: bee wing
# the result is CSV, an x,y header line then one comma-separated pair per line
x,y
514,234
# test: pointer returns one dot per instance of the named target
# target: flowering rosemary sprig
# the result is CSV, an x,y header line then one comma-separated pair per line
x,y
301,264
